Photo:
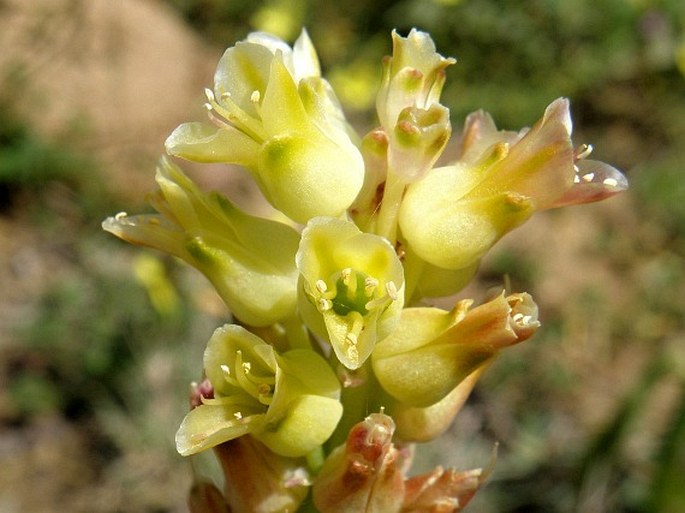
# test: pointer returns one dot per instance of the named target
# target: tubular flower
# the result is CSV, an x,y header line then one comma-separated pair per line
x,y
276,116
234,250
364,474
352,287
288,402
432,350
501,179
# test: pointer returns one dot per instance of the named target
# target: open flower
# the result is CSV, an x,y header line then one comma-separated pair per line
x,y
249,260
352,287
276,116
289,402
456,213
431,351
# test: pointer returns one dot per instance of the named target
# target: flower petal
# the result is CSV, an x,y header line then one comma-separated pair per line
x,y
202,142
595,181
209,425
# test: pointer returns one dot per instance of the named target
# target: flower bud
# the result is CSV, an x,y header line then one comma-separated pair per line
x,y
417,125
260,481
365,474
352,287
249,260
374,147
412,77
288,402
276,116
431,351
418,139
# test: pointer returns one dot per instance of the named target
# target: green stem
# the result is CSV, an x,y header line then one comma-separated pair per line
x,y
386,222
358,402
297,334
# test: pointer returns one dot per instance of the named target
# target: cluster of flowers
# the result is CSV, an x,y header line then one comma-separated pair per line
x,y
335,364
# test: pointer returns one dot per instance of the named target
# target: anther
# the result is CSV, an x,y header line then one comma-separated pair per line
x,y
209,94
247,366
391,289
589,177
324,304
370,285
321,286
255,96
346,274
120,216
583,151
238,415
611,182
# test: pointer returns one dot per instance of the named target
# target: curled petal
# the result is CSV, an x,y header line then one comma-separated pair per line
x,y
210,425
444,491
202,142
594,181
365,474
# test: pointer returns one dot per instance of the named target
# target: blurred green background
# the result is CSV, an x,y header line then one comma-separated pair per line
x,y
98,340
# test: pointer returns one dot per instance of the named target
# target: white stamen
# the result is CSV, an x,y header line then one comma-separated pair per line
x,y
589,177
611,182
324,304
208,107
345,274
225,369
391,289
576,179
321,286
238,415
120,216
255,96
209,94
370,285
584,151
247,366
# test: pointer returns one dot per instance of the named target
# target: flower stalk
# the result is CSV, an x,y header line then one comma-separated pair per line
x,y
334,364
